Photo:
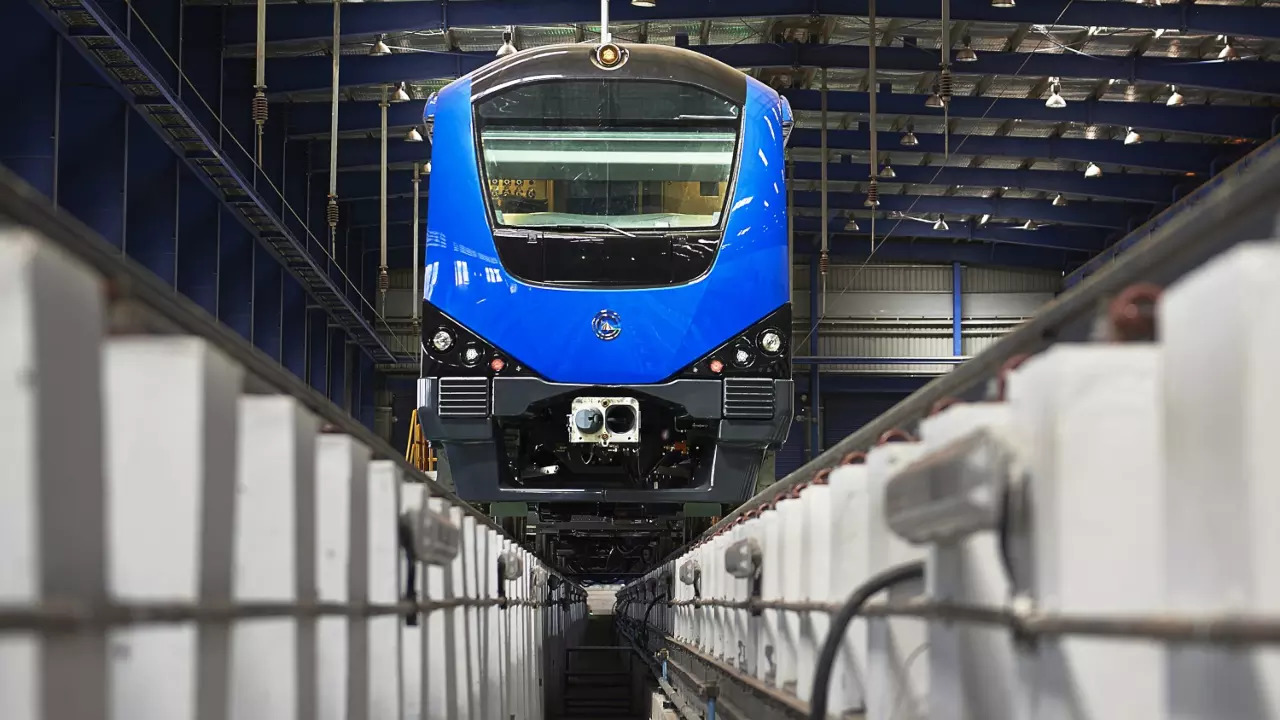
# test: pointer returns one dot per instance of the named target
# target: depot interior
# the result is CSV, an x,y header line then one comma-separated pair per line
x,y
1059,132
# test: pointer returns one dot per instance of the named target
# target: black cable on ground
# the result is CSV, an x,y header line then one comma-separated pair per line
x,y
840,623
644,624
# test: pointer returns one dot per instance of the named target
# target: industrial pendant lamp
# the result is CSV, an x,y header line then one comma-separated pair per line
x,y
1002,3
645,3
1029,225
966,53
1228,52
1176,99
851,225
887,172
934,101
1133,137
1055,100
401,94
1092,171
1059,201
909,138
379,48
941,225
508,47
413,135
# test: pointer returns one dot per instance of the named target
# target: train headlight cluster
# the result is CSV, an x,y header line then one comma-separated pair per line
x,y
770,341
742,357
442,340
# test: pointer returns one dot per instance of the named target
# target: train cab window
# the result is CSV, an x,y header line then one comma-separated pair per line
x,y
625,155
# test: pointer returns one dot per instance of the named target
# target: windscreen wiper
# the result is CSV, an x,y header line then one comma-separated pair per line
x,y
606,226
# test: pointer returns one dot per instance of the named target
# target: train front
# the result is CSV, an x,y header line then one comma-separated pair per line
x,y
606,297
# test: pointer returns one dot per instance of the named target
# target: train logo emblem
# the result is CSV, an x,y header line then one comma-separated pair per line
x,y
606,324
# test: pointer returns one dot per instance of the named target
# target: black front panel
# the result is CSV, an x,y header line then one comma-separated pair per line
x,y
616,261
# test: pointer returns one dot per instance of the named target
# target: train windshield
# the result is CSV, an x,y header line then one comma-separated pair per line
x,y
621,154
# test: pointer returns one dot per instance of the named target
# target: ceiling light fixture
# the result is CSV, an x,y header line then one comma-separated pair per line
x,y
934,101
966,53
508,47
1176,99
851,225
909,138
1055,100
941,225
413,135
1132,137
401,94
1092,171
1029,225
1002,3
645,3
887,171
379,48
1228,52
1059,201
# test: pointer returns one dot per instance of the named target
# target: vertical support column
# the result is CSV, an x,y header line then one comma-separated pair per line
x,y
957,309
170,420
52,513
274,499
815,349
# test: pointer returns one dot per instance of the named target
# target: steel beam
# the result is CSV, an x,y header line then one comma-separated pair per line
x,y
314,21
1165,156
308,73
311,120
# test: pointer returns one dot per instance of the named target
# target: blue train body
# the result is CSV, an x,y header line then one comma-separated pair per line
x,y
521,353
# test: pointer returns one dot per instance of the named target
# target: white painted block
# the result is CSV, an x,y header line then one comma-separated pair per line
x,y
850,566
973,672
413,641
383,560
468,631
1090,419
791,533
275,467
52,513
170,425
1221,393
444,658
342,467
769,661
815,571
897,657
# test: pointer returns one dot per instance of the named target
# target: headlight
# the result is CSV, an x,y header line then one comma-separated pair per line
x,y
741,357
470,355
770,341
442,340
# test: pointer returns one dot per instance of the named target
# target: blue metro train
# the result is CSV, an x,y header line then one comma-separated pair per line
x,y
606,300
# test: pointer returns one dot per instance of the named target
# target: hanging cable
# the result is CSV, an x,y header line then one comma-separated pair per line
x,y
259,108
331,210
873,192
824,256
417,295
383,280
881,581
945,82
